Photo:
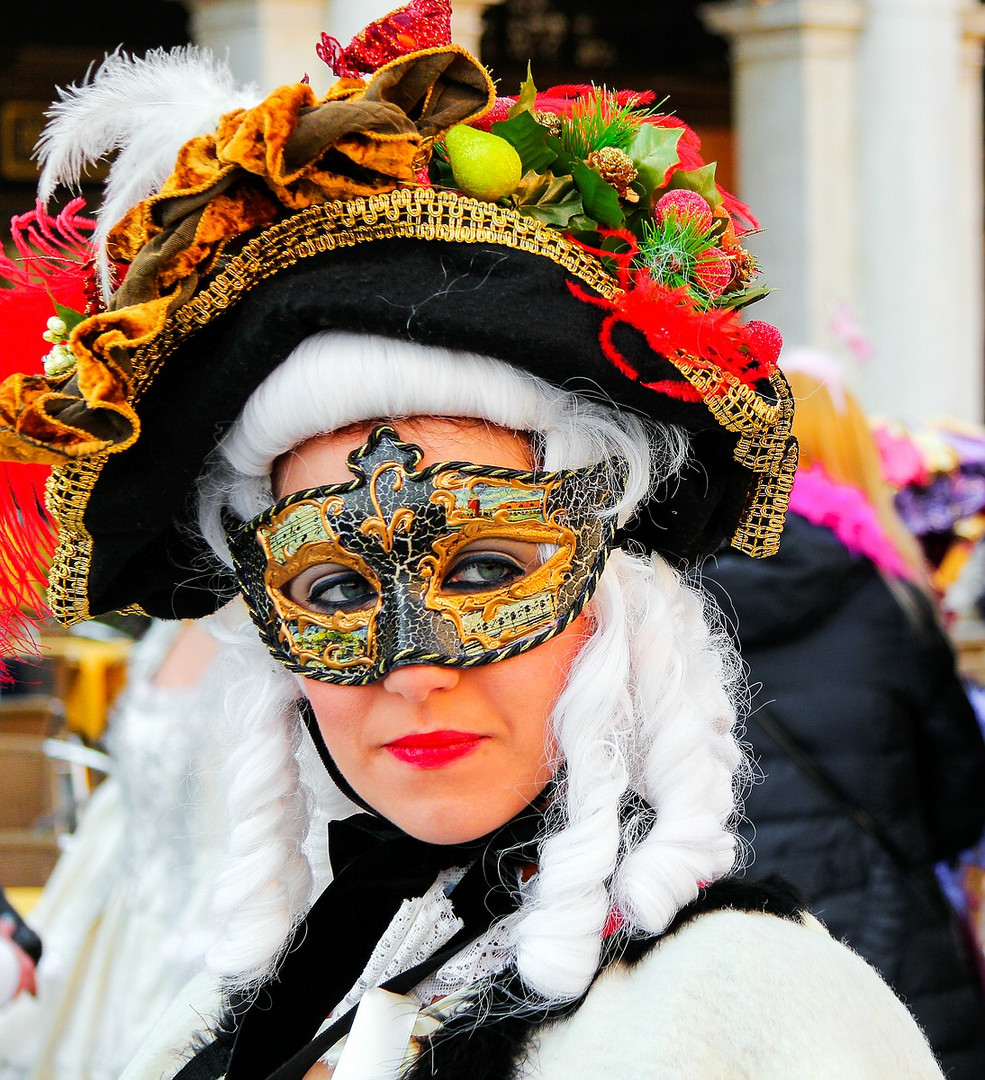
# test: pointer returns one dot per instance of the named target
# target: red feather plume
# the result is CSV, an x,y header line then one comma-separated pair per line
x,y
53,263
673,327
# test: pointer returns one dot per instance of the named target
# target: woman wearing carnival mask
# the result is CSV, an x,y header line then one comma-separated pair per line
x,y
433,438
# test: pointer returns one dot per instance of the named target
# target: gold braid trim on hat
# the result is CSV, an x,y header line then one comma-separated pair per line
x,y
66,497
289,152
764,446
416,214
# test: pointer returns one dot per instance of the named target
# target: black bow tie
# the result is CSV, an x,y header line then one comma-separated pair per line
x,y
377,868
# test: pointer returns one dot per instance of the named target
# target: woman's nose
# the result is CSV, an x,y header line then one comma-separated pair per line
x,y
416,682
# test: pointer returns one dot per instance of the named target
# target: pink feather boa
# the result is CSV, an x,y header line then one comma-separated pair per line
x,y
845,510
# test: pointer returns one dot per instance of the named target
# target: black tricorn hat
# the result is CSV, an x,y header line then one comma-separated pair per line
x,y
228,275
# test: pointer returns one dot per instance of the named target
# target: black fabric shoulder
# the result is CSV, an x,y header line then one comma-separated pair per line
x,y
210,1059
772,895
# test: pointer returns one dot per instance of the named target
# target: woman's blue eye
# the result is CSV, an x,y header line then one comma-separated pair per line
x,y
483,570
347,591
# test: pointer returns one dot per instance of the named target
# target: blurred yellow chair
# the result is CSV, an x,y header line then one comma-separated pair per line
x,y
31,714
88,675
28,799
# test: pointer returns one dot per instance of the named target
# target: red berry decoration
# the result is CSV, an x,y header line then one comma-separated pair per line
x,y
713,271
686,206
765,340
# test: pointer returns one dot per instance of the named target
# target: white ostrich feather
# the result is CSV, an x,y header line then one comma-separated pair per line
x,y
145,108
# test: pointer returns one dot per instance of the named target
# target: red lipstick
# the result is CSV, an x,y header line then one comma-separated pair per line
x,y
432,749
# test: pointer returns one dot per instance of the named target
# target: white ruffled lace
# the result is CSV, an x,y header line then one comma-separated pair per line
x,y
420,928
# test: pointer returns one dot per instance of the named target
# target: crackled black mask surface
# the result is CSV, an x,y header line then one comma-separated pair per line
x,y
455,564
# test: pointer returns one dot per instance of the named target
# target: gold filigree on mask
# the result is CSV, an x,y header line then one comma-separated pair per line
x,y
456,564
403,517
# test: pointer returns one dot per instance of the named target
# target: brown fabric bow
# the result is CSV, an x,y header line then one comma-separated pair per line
x,y
287,153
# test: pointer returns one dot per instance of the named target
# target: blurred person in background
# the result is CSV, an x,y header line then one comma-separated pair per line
x,y
20,951
873,762
126,914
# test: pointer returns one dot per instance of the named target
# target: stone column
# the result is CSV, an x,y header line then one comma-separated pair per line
x,y
793,66
348,17
267,42
971,210
466,23
920,200
860,144
271,42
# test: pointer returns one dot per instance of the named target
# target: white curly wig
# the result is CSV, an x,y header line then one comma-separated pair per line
x,y
649,706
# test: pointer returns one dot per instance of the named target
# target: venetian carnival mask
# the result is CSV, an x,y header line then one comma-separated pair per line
x,y
455,564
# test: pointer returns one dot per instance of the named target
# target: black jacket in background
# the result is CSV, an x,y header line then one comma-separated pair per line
x,y
872,695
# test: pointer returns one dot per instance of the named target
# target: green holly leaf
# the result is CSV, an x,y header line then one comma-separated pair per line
x,y
584,228
558,215
526,98
551,200
615,244
600,199
69,316
638,217
542,188
737,301
654,153
439,169
529,139
700,180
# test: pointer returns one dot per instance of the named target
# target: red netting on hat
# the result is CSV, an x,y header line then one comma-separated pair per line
x,y
674,328
421,24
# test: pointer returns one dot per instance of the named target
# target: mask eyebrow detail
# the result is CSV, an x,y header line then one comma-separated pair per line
x,y
403,529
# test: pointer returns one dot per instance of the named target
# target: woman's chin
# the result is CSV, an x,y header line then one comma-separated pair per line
x,y
442,828
453,821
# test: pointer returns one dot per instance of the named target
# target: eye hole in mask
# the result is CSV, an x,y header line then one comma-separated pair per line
x,y
479,567
491,564
332,587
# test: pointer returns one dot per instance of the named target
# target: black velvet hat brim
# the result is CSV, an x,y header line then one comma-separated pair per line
x,y
484,299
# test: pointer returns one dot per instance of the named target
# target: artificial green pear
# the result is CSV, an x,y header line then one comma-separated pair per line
x,y
485,166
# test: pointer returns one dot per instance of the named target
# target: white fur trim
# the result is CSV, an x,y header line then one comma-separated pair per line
x,y
739,996
196,1007
731,996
